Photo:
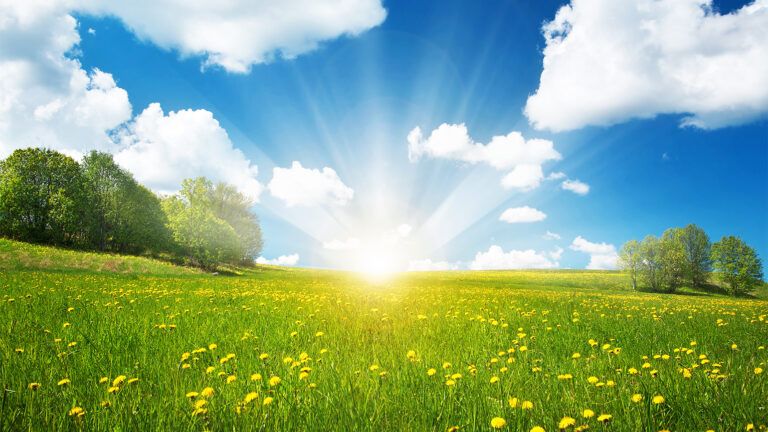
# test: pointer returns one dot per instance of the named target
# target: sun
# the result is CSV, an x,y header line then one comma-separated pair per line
x,y
378,263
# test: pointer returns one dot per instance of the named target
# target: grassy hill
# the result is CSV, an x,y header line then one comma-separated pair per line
x,y
104,342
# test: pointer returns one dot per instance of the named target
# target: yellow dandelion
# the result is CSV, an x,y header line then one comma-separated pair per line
x,y
256,377
33,386
512,402
118,381
263,356
64,382
273,381
604,418
494,379
537,429
566,422
588,413
758,370
113,390
498,422
76,412
267,401
431,371
637,397
250,397
207,392
231,379
658,399
192,394
526,405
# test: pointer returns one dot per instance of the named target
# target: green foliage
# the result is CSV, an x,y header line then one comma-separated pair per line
x,y
672,256
235,208
124,216
630,260
697,250
42,198
737,264
202,236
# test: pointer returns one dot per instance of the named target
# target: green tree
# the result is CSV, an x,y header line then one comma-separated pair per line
x,y
697,250
651,272
205,239
737,264
235,208
42,198
673,263
630,260
125,216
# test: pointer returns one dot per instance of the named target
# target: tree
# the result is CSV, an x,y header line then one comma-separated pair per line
x,y
697,251
630,260
125,216
235,208
673,263
42,197
737,264
651,258
205,239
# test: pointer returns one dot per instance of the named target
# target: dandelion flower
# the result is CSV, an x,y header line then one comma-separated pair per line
x,y
192,394
250,397
658,399
498,423
231,379
588,413
64,382
494,379
537,429
758,370
273,381
566,422
118,381
76,412
431,371
604,418
113,390
267,400
526,405
34,386
512,402
637,397
263,356
207,392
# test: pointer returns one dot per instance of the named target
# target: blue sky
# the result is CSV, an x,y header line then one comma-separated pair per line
x,y
349,104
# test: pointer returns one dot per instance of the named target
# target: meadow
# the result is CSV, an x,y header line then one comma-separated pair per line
x,y
98,342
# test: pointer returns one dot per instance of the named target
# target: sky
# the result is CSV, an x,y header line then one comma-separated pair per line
x,y
418,135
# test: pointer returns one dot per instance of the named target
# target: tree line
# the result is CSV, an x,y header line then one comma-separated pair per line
x,y
47,197
686,257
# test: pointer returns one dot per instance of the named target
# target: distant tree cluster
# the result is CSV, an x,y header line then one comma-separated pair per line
x,y
685,257
46,197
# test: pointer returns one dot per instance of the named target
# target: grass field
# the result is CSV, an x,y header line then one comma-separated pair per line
x,y
110,343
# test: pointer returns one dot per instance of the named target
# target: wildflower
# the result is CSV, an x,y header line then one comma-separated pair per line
x,y
319,334
750,427
263,356
512,402
758,370
446,365
212,346
658,399
105,404
592,380
604,418
588,413
76,412
566,422
64,382
207,392
431,371
273,381
231,379
498,423
113,390
256,377
33,386
192,394
199,411
450,383
637,397
118,381
537,429
494,379
452,429
250,397
133,381
576,356
267,400
564,377
201,403
411,355
526,405
632,371
103,380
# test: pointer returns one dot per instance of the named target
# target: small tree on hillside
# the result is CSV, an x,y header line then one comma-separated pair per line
x,y
630,260
697,250
651,259
673,263
737,264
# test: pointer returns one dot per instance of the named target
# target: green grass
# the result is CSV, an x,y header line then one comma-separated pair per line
x,y
355,336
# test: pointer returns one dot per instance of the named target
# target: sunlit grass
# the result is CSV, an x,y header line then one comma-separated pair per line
x,y
279,349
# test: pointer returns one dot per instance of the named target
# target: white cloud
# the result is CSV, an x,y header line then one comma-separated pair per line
x,y
429,265
551,236
522,158
607,61
161,150
46,98
299,186
556,254
522,215
496,259
575,186
282,260
340,245
556,176
602,256
239,33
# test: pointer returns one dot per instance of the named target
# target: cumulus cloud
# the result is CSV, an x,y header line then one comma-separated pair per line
x,y
549,235
46,98
602,256
161,150
522,215
237,34
282,260
429,265
520,157
496,259
557,253
340,245
575,186
607,61
299,186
